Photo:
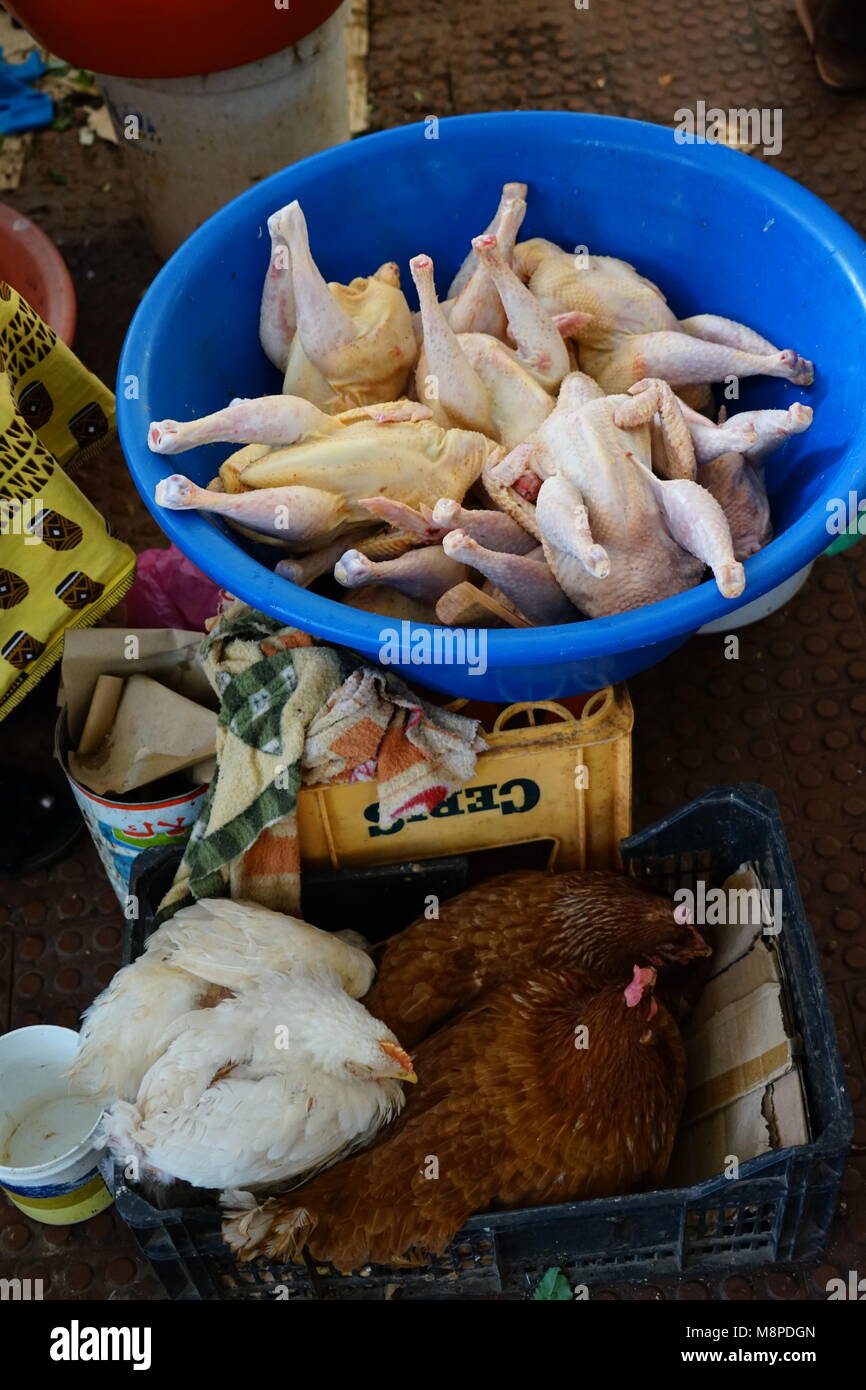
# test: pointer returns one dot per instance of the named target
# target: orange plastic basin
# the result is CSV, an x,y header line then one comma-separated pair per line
x,y
33,266
168,38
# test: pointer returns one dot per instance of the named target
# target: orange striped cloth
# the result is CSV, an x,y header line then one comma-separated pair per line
x,y
375,729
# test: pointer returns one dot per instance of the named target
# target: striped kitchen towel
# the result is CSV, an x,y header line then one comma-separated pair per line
x,y
292,710
375,729
271,681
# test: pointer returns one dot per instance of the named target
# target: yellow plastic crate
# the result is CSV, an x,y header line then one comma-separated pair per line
x,y
566,781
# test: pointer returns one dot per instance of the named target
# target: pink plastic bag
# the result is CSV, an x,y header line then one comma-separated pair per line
x,y
170,592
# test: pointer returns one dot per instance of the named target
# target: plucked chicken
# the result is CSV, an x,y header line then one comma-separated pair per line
x,y
615,536
629,332
342,345
605,506
310,491
552,1088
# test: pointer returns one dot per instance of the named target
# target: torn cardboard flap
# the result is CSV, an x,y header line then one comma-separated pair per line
x,y
155,732
785,1110
738,1049
168,655
744,1093
771,1117
704,1149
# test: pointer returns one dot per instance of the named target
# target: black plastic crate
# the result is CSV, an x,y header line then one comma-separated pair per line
x,y
778,1211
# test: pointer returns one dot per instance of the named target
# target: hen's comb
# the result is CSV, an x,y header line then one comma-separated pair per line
x,y
644,978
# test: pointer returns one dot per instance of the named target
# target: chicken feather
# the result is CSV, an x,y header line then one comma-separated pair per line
x,y
271,1084
121,1030
214,945
226,940
595,921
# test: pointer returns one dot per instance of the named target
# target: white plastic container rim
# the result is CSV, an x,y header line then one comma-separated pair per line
x,y
68,1186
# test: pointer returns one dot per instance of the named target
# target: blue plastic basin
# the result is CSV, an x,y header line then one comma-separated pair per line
x,y
719,231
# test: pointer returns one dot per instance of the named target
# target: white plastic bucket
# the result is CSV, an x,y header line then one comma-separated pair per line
x,y
761,607
49,1164
196,142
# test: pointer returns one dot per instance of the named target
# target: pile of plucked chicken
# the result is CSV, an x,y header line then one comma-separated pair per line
x,y
535,448
537,1018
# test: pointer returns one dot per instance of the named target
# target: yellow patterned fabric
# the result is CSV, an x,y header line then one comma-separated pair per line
x,y
59,567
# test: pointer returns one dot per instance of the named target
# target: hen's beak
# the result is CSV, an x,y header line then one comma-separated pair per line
x,y
406,1071
699,947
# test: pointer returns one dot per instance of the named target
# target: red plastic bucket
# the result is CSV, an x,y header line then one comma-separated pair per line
x,y
168,38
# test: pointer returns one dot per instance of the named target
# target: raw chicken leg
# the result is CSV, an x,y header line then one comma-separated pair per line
x,y
564,522
739,490
738,434
277,318
479,308
696,520
755,433
472,378
511,192
445,378
524,579
299,515
683,361
273,420
494,530
423,575
358,337
262,420
305,569
540,348
714,329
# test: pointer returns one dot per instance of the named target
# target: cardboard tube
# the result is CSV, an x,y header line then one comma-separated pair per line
x,y
100,716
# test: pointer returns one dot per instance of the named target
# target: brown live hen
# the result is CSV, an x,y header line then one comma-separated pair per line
x,y
515,1106
593,921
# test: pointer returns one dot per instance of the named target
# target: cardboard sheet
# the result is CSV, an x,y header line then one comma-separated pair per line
x,y
155,732
169,655
737,938
744,1094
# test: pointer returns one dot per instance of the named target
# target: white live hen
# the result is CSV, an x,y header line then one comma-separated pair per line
x,y
274,1084
205,950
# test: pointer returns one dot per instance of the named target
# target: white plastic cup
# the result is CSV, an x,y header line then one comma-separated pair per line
x,y
50,1167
